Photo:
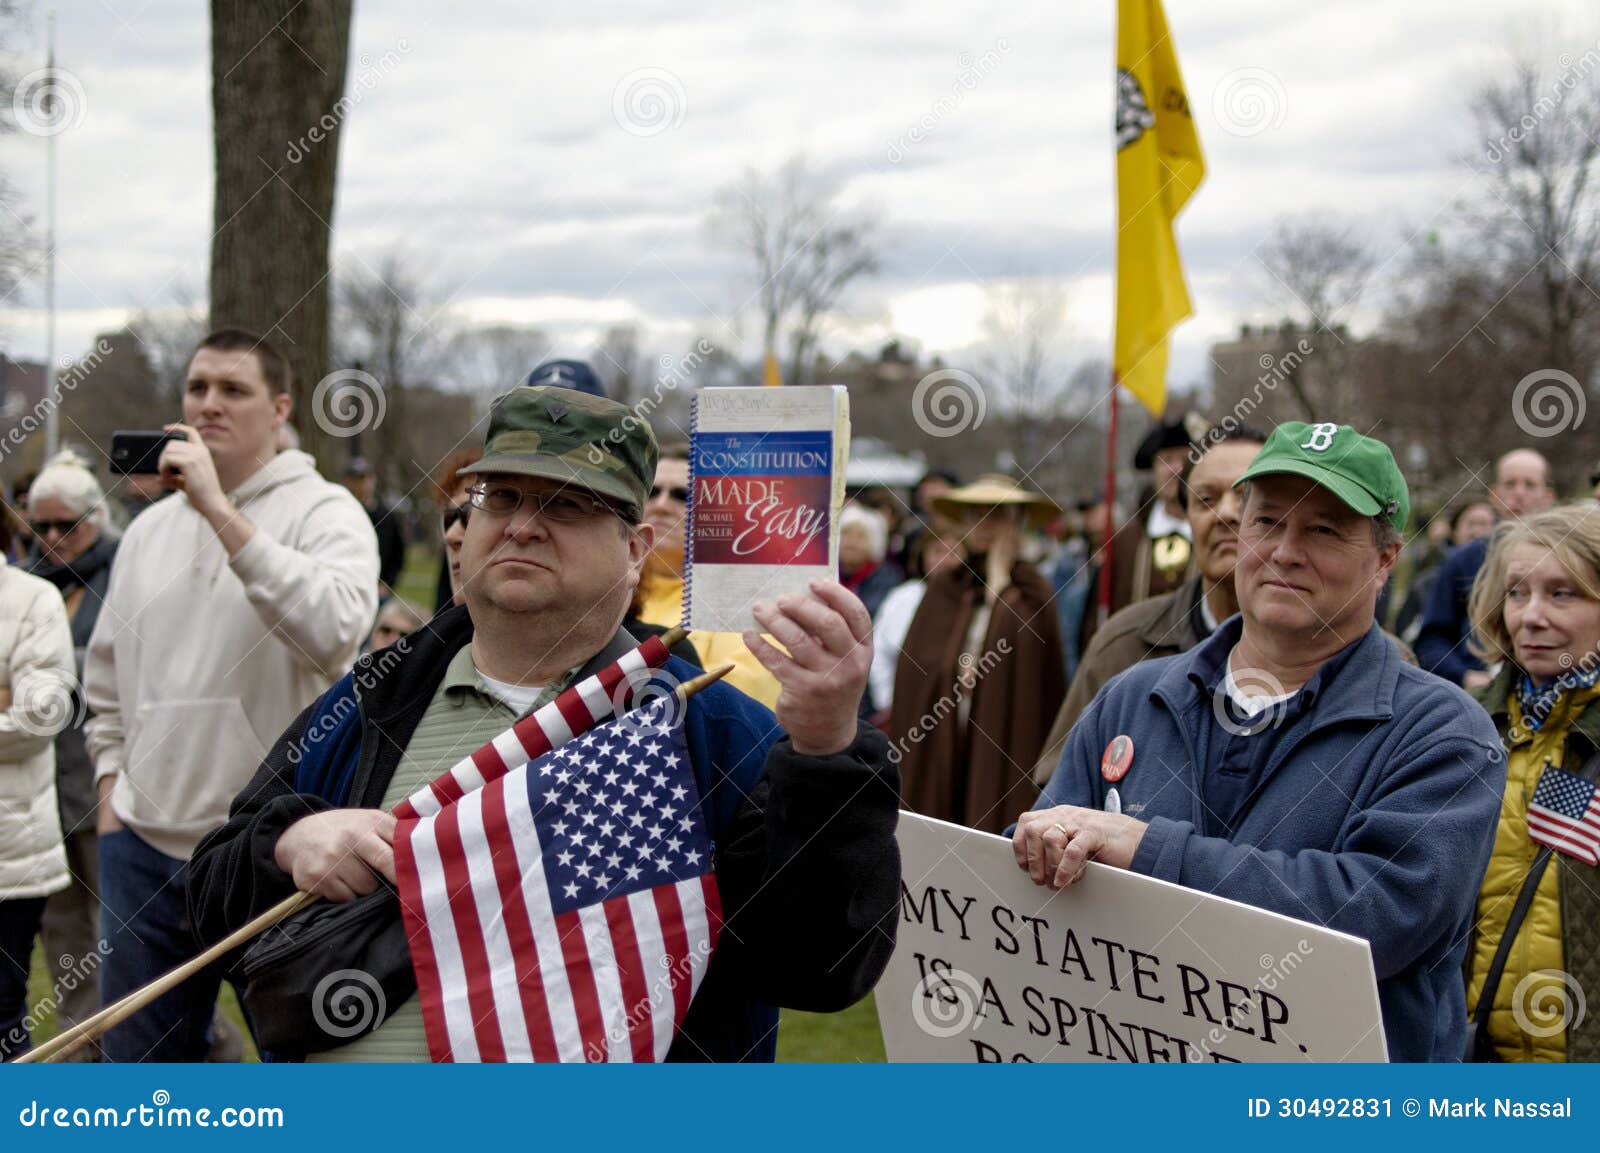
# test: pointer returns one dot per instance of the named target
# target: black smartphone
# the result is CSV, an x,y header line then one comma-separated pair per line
x,y
139,452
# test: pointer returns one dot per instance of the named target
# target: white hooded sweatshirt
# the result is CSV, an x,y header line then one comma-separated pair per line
x,y
198,663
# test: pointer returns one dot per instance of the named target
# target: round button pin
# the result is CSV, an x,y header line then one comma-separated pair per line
x,y
1117,759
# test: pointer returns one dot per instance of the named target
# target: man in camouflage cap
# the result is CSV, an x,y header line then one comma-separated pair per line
x,y
799,802
575,439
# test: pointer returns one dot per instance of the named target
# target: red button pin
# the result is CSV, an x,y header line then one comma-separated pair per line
x,y
1117,759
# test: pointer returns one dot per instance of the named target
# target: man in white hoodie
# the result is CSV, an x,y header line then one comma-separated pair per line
x,y
231,606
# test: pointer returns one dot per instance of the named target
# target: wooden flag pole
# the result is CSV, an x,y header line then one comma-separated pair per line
x,y
112,1015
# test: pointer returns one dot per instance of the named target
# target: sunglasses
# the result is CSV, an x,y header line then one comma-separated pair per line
x,y
456,514
676,492
43,528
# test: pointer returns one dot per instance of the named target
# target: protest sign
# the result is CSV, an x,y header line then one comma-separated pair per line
x,y
1119,967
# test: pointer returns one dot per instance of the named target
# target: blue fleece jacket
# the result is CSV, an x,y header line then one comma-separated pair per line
x,y
1374,815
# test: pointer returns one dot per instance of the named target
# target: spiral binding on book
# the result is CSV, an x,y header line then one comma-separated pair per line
x,y
688,516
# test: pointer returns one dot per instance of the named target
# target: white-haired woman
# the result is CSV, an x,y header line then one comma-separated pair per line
x,y
863,544
36,682
73,545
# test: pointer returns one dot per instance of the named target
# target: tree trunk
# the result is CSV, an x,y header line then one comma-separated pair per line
x,y
278,76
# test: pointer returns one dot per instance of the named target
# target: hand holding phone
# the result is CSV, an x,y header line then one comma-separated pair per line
x,y
186,466
139,453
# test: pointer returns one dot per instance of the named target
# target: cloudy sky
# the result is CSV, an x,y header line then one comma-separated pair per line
x,y
507,147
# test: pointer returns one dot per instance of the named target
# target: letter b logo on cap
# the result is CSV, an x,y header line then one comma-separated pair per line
x,y
1321,438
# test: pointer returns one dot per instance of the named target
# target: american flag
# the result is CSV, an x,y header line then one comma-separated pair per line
x,y
1565,814
566,911
585,704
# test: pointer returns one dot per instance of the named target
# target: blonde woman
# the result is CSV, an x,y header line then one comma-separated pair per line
x,y
1535,610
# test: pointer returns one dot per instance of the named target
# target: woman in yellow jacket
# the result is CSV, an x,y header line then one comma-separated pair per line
x,y
1535,609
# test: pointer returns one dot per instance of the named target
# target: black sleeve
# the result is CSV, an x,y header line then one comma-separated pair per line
x,y
232,874
810,876
392,548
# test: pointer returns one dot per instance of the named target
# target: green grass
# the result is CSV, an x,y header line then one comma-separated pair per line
x,y
419,577
849,1036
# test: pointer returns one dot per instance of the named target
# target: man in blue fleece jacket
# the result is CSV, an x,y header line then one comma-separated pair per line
x,y
1293,761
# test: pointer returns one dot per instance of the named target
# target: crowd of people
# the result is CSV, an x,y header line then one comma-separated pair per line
x,y
1301,696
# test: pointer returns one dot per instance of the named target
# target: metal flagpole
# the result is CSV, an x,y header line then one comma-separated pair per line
x,y
52,419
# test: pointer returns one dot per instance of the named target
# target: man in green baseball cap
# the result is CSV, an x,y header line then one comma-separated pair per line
x,y
1293,760
1359,470
1323,511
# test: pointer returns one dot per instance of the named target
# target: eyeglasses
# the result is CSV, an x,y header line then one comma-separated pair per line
x,y
676,492
42,528
456,514
565,506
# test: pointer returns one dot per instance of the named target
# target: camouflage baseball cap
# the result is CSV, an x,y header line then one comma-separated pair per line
x,y
573,437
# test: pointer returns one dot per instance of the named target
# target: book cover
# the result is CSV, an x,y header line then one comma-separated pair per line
x,y
766,485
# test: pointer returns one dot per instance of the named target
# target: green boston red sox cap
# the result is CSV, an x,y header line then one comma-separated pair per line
x,y
1359,470
574,437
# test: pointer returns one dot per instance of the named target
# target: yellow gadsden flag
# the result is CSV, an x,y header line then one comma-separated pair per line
x,y
771,374
1158,168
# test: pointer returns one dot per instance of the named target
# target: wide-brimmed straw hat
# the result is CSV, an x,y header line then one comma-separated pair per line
x,y
994,489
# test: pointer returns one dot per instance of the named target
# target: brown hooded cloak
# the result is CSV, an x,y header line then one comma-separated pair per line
x,y
973,766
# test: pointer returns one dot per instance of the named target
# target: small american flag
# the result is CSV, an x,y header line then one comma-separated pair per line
x,y
1565,814
578,708
566,911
